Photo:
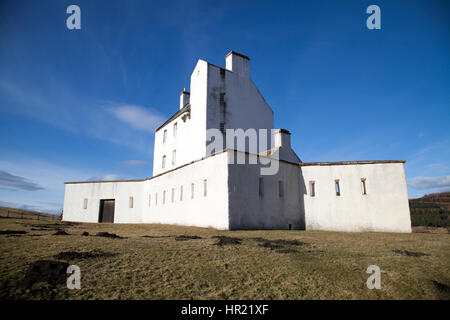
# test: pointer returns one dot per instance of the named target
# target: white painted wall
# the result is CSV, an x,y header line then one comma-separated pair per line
x,y
384,208
203,211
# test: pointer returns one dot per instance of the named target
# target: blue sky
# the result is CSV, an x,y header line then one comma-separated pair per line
x,y
83,104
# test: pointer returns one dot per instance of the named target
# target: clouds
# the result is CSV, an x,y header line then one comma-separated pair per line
x,y
440,182
17,183
135,163
137,117
105,177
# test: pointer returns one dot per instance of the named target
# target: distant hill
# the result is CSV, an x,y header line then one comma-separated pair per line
x,y
432,210
6,212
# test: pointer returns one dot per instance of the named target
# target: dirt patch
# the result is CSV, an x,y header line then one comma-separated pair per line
x,y
278,244
109,235
74,255
48,271
286,251
410,253
156,237
185,237
224,240
61,233
15,232
85,234
443,288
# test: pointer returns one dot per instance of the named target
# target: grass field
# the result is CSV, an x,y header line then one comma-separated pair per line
x,y
154,262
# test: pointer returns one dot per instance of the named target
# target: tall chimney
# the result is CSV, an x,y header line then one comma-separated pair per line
x,y
238,63
282,138
184,98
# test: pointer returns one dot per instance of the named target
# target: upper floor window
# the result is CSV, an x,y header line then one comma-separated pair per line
x,y
173,194
85,203
181,193
261,187
280,189
205,188
337,187
149,200
163,161
174,156
222,98
165,136
175,125
192,191
363,186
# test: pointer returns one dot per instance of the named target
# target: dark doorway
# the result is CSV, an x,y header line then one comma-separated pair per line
x,y
106,210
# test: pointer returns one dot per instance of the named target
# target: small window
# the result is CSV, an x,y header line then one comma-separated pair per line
x,y
165,136
280,189
175,125
85,203
205,188
156,199
149,200
192,191
222,98
164,196
173,194
131,202
363,186
261,187
163,161
222,127
337,187
174,156
312,188
181,193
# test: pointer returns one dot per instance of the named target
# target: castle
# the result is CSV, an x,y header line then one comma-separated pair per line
x,y
197,180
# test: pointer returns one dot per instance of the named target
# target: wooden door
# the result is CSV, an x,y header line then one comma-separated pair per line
x,y
107,210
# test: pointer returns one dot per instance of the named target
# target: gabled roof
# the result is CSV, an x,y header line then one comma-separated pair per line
x,y
186,108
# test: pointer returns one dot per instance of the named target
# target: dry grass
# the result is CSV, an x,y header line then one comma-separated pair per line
x,y
318,265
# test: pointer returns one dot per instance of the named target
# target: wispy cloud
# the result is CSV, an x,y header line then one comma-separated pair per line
x,y
17,183
135,163
441,182
137,117
105,177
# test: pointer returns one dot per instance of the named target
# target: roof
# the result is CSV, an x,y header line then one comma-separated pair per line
x,y
186,108
237,54
341,163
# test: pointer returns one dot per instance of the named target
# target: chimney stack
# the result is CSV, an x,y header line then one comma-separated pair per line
x,y
282,138
238,63
184,98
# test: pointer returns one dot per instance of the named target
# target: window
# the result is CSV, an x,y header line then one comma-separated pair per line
x,y
156,199
175,125
192,191
164,196
205,187
222,98
181,193
280,189
222,127
261,187
312,188
173,194
85,203
174,156
149,200
163,161
338,189
130,204
363,186
165,136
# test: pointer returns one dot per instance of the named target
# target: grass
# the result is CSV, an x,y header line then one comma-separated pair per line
x,y
318,265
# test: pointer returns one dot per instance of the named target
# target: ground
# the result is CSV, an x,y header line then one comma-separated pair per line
x,y
171,262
